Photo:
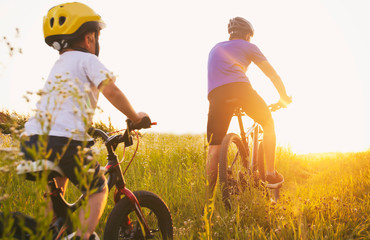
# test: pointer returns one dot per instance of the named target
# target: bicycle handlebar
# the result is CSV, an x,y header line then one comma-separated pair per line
x,y
116,139
274,107
96,132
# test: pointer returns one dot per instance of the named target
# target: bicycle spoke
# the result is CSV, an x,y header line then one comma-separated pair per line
x,y
233,169
134,231
235,159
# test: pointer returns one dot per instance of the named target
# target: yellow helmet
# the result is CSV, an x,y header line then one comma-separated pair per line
x,y
68,21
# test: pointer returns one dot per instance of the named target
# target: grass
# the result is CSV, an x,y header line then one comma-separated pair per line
x,y
325,196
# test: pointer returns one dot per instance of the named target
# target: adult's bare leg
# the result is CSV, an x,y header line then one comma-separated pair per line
x,y
269,144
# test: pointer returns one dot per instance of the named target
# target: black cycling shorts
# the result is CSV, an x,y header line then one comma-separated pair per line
x,y
66,152
222,102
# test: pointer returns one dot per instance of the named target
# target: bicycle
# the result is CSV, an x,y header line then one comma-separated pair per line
x,y
241,160
138,215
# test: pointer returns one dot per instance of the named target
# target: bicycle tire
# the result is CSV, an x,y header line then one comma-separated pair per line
x,y
233,168
117,227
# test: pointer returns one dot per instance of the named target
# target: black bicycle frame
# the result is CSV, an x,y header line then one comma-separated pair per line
x,y
61,207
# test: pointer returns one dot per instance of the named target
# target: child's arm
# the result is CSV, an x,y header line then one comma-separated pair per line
x,y
119,100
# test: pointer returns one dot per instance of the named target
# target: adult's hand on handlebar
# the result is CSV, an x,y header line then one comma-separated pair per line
x,y
282,103
285,101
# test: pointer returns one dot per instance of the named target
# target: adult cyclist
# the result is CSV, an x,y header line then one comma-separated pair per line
x,y
68,101
229,87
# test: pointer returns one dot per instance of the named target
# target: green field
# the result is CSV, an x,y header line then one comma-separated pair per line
x,y
325,196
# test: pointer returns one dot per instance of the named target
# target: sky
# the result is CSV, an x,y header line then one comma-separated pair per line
x,y
159,50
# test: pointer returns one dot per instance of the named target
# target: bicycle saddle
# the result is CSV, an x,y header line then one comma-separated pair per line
x,y
32,169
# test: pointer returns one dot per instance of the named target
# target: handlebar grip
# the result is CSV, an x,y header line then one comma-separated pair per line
x,y
145,123
95,133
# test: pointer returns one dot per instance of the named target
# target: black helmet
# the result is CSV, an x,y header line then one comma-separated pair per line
x,y
239,25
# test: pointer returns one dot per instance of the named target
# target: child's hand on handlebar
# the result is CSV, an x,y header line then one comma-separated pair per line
x,y
143,122
140,115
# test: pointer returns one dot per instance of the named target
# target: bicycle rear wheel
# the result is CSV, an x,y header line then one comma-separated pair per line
x,y
123,222
233,169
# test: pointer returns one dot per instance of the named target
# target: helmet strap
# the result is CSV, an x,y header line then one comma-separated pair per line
x,y
59,45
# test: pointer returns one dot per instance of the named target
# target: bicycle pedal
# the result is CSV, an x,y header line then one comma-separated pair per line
x,y
72,236
94,236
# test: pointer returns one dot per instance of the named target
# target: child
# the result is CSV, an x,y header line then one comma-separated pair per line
x,y
68,101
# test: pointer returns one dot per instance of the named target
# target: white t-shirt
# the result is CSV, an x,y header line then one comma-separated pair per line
x,y
69,97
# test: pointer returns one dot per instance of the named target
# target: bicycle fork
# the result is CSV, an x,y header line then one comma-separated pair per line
x,y
119,181
135,203
122,190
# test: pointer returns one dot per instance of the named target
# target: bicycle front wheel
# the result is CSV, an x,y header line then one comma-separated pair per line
x,y
233,168
123,222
